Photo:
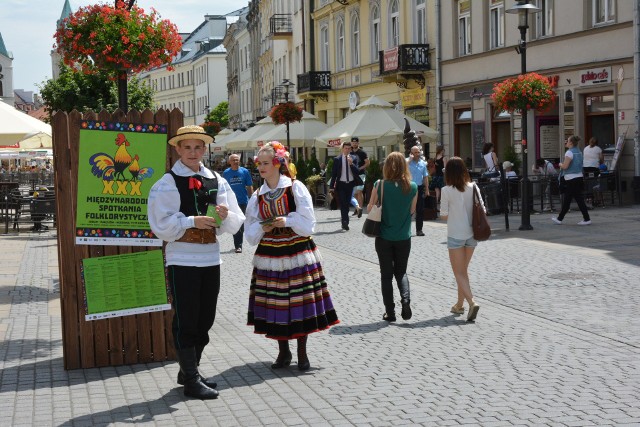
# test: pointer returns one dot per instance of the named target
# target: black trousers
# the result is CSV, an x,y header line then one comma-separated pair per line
x,y
195,296
237,238
420,208
344,190
393,257
573,190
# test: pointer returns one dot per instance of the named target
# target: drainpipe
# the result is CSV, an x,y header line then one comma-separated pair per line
x,y
636,67
438,73
312,49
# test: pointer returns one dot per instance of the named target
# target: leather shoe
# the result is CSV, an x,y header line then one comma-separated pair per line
x,y
355,212
282,361
208,383
406,311
389,317
304,366
345,227
359,212
419,233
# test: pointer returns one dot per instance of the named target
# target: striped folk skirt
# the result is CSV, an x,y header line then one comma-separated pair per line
x,y
289,297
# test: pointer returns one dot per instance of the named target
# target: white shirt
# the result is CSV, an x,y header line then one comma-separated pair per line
x,y
488,158
346,173
169,224
591,157
458,207
302,221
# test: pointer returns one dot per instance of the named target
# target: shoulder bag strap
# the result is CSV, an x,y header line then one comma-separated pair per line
x,y
381,191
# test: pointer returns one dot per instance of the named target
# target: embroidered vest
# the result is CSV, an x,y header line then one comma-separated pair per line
x,y
195,202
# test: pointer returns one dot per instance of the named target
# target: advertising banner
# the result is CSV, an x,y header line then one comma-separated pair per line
x,y
118,164
123,285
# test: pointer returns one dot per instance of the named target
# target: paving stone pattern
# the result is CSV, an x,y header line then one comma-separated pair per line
x,y
556,341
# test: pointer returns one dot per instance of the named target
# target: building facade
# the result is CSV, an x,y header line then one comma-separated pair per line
x,y
584,48
198,82
372,47
6,74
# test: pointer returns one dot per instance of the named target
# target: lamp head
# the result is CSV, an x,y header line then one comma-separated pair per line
x,y
523,8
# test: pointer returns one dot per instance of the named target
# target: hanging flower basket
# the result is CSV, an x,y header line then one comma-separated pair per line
x,y
526,92
101,38
211,128
285,112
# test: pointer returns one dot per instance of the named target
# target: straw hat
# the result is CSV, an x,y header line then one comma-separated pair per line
x,y
191,132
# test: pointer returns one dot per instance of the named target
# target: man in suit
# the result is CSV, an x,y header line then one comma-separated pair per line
x,y
343,178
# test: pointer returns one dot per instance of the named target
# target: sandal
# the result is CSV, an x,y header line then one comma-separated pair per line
x,y
457,309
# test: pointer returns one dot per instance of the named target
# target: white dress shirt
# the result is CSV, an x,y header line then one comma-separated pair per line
x,y
169,224
302,221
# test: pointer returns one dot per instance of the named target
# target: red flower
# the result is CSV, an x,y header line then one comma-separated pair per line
x,y
523,92
285,112
99,38
194,183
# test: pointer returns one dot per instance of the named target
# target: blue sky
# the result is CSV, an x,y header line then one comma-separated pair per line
x,y
27,28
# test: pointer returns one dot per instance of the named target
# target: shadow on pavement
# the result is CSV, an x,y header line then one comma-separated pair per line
x,y
364,328
26,349
450,320
21,294
132,414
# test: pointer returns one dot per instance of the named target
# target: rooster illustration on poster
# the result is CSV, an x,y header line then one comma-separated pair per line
x,y
110,168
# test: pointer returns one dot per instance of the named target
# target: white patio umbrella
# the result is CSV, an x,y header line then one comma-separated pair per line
x,y
376,123
251,138
16,126
301,134
221,142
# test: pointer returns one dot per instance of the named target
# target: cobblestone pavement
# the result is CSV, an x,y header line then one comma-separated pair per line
x,y
556,341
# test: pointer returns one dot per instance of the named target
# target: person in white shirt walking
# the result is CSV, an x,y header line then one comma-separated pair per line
x,y
456,208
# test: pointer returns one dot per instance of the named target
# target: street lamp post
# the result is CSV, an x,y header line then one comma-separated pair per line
x,y
523,8
287,84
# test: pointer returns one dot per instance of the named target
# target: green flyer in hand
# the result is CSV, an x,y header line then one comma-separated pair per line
x,y
211,211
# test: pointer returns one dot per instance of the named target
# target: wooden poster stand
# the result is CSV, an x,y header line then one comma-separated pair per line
x,y
140,338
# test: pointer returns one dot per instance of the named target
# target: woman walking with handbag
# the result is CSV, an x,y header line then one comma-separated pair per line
x,y
398,195
457,209
571,174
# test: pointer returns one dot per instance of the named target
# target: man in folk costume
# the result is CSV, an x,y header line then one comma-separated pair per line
x,y
188,207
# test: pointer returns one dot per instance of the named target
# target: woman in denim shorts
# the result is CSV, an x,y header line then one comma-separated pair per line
x,y
456,208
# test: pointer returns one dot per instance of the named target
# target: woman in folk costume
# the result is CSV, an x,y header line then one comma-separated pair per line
x,y
289,298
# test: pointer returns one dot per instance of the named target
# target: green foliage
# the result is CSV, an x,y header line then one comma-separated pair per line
x,y
329,169
511,155
374,171
313,163
301,166
91,92
312,183
219,114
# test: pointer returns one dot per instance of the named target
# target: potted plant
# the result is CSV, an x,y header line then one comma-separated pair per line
x,y
115,41
285,112
526,92
372,174
211,128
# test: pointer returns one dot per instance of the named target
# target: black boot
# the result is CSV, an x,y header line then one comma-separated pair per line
x,y
208,383
303,360
284,355
193,385
405,297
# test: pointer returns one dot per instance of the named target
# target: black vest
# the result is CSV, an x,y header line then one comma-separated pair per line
x,y
195,202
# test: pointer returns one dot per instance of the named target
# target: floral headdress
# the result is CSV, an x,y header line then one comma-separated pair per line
x,y
280,156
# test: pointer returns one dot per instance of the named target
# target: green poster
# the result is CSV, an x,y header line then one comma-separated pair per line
x,y
122,285
118,164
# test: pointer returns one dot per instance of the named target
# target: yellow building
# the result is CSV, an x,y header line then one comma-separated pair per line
x,y
371,47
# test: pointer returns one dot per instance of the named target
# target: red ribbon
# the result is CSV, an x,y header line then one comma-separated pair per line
x,y
194,183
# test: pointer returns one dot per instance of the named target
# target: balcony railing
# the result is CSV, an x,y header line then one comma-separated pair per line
x,y
280,25
406,57
314,81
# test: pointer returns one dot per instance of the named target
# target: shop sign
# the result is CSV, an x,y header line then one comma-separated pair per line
x,y
595,76
419,114
414,97
390,59
334,142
